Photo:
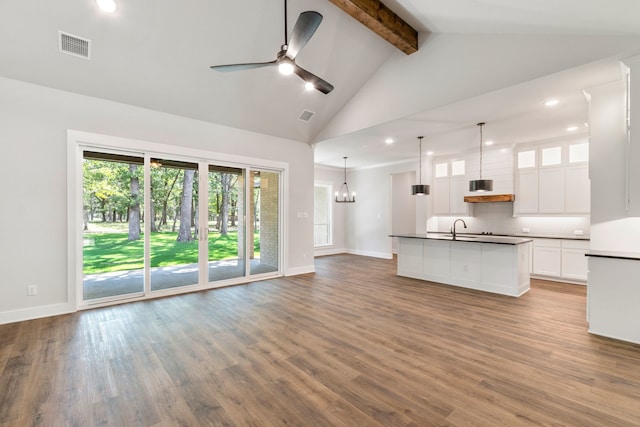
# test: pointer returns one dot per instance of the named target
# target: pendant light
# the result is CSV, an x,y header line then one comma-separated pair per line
x,y
420,189
344,189
481,185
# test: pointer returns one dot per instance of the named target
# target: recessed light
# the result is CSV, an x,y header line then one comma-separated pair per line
x,y
429,153
389,141
551,103
572,128
309,86
108,6
488,143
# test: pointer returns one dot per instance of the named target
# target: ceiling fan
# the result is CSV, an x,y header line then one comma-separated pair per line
x,y
305,27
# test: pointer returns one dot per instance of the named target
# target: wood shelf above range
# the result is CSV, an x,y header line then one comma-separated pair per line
x,y
490,198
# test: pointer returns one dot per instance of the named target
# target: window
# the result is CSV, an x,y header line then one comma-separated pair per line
x,y
527,159
579,152
442,170
322,215
551,156
457,168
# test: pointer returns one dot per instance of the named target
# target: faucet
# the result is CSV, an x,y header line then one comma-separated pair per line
x,y
453,227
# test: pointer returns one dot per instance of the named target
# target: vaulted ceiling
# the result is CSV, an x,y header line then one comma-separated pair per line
x,y
478,60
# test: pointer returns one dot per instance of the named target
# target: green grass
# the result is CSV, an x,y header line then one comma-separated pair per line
x,y
108,252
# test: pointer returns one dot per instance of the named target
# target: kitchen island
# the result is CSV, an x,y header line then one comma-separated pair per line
x,y
484,262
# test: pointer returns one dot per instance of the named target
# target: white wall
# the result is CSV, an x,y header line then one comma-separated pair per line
x,y
369,220
403,206
33,183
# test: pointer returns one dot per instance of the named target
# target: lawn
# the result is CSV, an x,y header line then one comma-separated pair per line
x,y
108,252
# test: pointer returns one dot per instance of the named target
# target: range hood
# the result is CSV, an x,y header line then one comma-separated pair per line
x,y
493,198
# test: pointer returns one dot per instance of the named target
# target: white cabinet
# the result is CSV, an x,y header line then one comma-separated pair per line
x,y
577,189
560,259
527,192
440,196
553,180
613,295
547,257
448,196
551,192
574,260
410,256
491,267
457,188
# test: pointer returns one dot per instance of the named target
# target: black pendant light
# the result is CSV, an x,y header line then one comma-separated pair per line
x,y
344,189
420,189
481,185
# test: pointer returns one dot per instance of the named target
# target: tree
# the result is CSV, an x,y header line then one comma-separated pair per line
x,y
134,203
184,232
227,183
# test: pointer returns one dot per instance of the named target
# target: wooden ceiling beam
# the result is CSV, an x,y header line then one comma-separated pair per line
x,y
382,21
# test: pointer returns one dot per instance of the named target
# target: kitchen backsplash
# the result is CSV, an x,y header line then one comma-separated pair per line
x,y
497,218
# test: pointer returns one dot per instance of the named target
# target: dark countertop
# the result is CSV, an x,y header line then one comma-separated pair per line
x,y
614,254
473,238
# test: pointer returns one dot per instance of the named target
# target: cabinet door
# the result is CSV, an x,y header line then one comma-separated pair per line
x,y
547,255
527,192
551,192
578,189
457,190
440,196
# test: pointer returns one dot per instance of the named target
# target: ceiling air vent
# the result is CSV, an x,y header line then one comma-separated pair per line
x,y
74,45
306,115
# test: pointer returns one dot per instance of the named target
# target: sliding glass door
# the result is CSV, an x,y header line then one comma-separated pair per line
x,y
155,224
173,223
264,222
226,223
112,208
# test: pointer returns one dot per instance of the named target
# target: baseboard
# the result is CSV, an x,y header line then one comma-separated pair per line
x,y
329,251
36,312
300,270
385,255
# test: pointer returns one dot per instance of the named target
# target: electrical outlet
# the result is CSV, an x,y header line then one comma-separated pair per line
x,y
32,290
578,232
525,230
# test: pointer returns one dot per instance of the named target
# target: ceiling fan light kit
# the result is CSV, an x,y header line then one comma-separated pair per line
x,y
303,30
481,185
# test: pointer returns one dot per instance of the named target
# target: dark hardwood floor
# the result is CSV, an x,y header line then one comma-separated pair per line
x,y
351,345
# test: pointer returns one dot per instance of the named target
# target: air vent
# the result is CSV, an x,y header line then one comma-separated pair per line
x,y
306,115
74,45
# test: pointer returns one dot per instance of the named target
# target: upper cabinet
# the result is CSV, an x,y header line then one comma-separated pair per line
x,y
552,179
449,187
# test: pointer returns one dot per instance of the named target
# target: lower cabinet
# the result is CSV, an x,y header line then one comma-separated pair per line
x,y
547,255
560,259
497,268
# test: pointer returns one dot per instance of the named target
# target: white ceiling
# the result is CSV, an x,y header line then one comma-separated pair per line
x,y
156,54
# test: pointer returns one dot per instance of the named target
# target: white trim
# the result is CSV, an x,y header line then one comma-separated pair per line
x,y
36,312
322,251
385,255
300,270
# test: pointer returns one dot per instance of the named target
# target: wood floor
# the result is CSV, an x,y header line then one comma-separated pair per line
x,y
351,345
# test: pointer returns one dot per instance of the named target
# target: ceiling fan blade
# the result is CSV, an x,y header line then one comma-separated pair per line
x,y
240,67
321,85
306,25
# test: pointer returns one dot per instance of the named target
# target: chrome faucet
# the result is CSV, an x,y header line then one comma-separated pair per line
x,y
453,227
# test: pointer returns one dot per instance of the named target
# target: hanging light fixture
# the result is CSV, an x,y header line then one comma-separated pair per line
x,y
481,185
344,189
420,189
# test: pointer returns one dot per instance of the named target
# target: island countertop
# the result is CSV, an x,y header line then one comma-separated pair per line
x,y
477,238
